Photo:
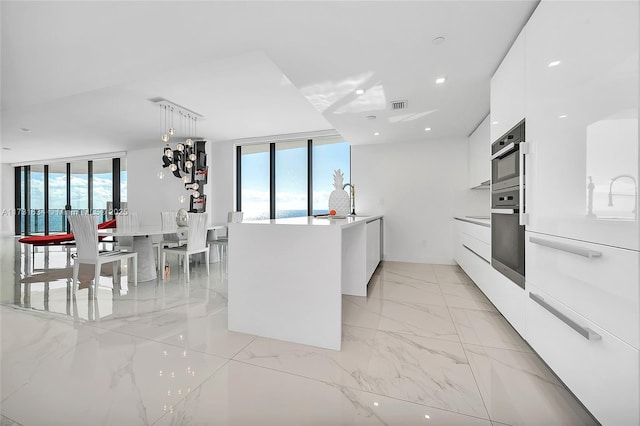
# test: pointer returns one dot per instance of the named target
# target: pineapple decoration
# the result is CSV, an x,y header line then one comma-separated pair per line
x,y
339,199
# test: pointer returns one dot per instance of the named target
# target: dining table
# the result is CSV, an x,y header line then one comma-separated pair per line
x,y
143,244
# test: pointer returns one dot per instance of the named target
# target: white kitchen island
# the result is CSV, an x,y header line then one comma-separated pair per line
x,y
287,276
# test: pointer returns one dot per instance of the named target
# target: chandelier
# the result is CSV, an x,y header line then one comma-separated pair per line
x,y
188,159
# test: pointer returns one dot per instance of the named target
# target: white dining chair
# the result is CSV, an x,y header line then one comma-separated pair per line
x,y
173,236
196,243
126,221
85,231
222,242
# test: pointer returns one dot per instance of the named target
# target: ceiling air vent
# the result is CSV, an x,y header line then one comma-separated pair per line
x,y
398,105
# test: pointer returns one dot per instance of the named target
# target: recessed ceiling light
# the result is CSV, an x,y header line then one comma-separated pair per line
x,y
562,116
441,80
495,122
438,40
359,92
553,63
427,129
371,117
24,129
376,134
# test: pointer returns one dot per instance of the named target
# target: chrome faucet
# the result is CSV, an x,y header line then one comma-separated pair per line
x,y
635,194
352,197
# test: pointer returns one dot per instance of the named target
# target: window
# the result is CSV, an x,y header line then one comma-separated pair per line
x,y
22,201
289,179
123,180
57,197
36,192
255,181
79,186
328,155
101,188
45,191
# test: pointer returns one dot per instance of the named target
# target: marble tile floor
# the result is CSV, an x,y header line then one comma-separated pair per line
x,y
425,347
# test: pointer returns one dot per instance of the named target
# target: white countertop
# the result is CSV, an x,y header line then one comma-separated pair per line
x,y
316,221
145,230
477,220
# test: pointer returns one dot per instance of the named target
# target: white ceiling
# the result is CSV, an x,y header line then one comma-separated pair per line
x,y
79,75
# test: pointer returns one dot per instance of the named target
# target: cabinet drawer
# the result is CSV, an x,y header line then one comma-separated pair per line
x,y
506,296
603,372
482,233
473,265
480,248
599,282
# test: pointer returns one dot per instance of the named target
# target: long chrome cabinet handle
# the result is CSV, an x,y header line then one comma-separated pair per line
x,y
504,151
465,246
580,251
585,332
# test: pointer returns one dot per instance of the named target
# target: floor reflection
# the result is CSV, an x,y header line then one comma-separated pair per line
x,y
40,278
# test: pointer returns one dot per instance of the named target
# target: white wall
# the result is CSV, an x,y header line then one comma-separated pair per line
x,y
7,207
418,187
221,168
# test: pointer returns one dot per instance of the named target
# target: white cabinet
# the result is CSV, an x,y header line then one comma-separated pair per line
x,y
600,369
582,121
480,156
473,253
373,246
507,90
582,259
597,281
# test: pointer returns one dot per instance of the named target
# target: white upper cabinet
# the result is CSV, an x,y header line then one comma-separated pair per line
x,y
582,121
480,155
507,91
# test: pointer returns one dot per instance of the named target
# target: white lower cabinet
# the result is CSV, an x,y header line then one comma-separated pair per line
x,y
478,247
600,369
373,246
473,254
599,282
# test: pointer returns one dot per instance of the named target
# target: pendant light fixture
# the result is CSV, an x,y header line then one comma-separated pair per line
x,y
165,136
188,160
172,131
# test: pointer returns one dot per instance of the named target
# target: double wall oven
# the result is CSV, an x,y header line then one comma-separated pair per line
x,y
507,204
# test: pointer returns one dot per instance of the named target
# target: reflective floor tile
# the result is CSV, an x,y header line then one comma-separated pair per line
x,y
518,389
241,394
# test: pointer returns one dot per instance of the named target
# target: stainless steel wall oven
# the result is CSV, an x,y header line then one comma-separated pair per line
x,y
507,204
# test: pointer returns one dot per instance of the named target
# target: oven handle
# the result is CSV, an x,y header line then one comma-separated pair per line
x,y
507,149
585,332
523,218
504,211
